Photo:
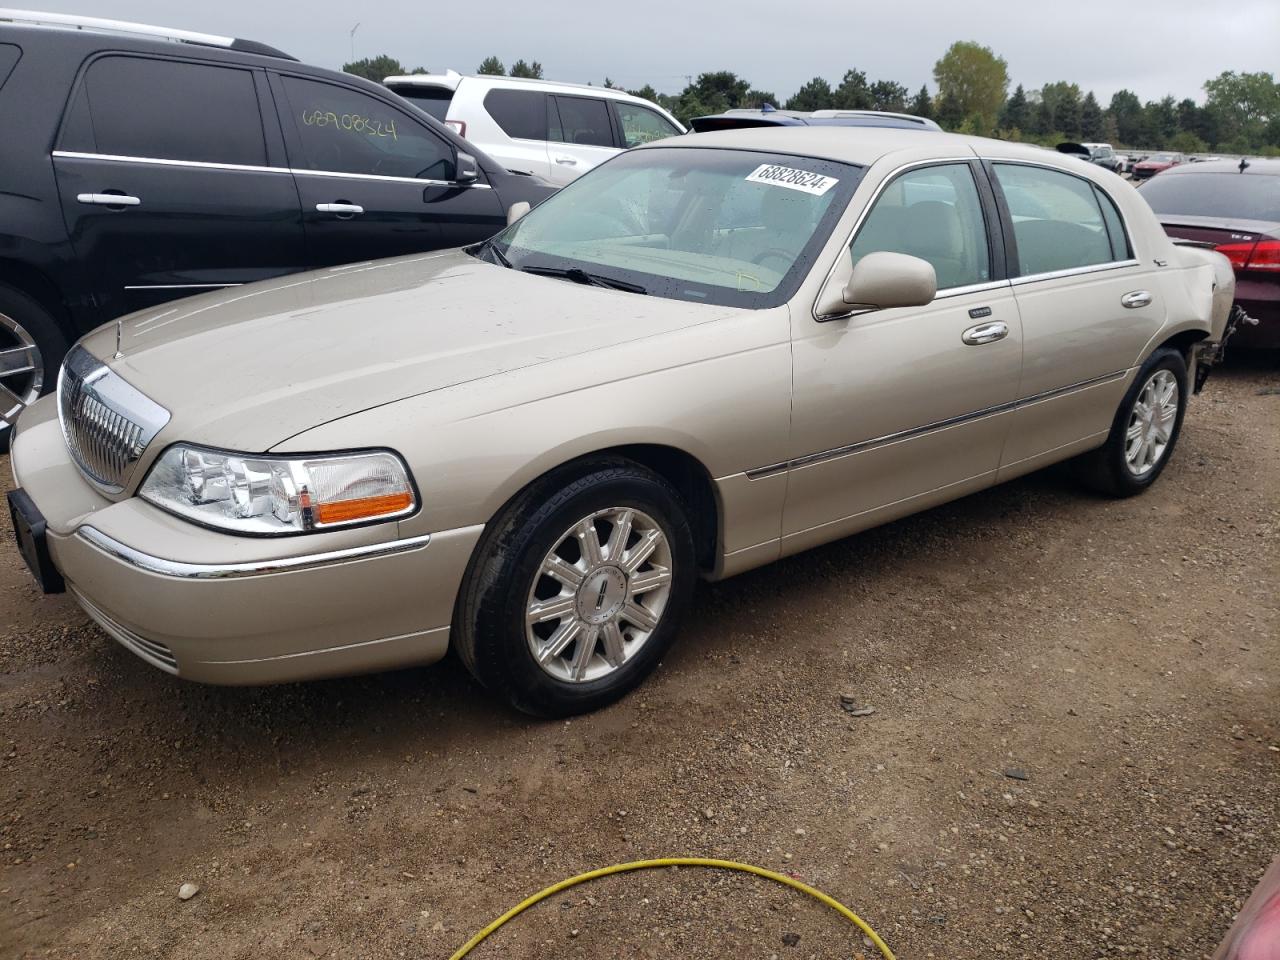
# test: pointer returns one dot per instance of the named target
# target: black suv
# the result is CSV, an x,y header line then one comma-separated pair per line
x,y
139,165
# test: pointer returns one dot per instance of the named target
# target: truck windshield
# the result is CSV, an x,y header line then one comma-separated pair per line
x,y
731,227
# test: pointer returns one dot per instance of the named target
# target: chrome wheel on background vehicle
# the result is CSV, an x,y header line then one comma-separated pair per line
x,y
1151,423
21,370
598,594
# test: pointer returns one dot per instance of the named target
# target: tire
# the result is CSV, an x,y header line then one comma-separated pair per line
x,y
25,325
609,606
1125,465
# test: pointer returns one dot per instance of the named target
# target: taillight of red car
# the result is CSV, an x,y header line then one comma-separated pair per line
x,y
1254,255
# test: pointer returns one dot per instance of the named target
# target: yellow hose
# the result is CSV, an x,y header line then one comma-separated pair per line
x,y
781,878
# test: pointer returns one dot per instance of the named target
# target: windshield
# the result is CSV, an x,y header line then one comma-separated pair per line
x,y
1229,196
730,227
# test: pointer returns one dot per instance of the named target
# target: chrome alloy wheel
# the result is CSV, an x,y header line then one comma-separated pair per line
x,y
21,370
1151,423
598,595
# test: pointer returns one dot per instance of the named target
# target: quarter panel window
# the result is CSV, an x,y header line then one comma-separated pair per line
x,y
1120,248
1057,222
520,113
641,125
172,110
933,213
582,120
341,130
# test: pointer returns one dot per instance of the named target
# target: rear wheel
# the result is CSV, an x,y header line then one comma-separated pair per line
x,y
577,589
31,347
1145,429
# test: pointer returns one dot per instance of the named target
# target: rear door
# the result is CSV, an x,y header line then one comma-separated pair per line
x,y
520,143
581,135
375,180
171,183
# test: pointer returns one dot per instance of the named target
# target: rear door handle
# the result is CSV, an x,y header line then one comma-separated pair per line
x,y
1138,298
567,161
341,209
985,333
109,199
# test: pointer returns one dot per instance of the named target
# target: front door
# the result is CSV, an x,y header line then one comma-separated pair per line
x,y
190,194
374,180
891,406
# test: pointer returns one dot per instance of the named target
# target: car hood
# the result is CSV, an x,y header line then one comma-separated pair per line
x,y
250,367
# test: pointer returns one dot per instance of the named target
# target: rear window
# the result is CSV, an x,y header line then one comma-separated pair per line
x,y
1234,196
136,107
9,55
433,100
521,114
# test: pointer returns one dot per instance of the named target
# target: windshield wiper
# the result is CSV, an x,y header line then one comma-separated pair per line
x,y
578,275
498,255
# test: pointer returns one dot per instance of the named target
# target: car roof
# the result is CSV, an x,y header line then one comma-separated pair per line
x,y
864,145
1257,166
771,116
451,80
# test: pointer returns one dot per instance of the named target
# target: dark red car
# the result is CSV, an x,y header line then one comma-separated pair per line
x,y
1237,209
1156,163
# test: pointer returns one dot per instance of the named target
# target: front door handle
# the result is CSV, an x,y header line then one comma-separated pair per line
x,y
985,333
567,161
109,199
1138,298
342,209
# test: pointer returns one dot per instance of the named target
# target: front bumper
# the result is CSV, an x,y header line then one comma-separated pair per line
x,y
224,609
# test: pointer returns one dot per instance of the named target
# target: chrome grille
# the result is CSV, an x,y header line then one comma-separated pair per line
x,y
106,422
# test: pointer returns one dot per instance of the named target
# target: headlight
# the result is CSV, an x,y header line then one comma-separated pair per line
x,y
264,495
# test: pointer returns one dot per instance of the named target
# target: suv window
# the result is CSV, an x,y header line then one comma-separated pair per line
x,y
933,213
641,125
341,130
581,120
1057,221
169,110
520,113
432,100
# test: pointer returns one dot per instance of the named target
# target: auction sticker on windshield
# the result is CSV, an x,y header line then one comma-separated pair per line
x,y
792,179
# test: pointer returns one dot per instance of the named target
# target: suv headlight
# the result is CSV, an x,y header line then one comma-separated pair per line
x,y
261,494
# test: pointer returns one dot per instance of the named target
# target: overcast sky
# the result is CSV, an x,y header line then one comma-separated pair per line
x,y
1153,47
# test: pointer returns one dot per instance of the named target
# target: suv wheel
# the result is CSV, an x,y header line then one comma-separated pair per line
x,y
31,347
577,588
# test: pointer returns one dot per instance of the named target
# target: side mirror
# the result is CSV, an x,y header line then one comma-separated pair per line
x,y
879,281
516,211
468,172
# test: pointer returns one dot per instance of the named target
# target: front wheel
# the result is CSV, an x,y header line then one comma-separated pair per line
x,y
31,348
577,588
1145,429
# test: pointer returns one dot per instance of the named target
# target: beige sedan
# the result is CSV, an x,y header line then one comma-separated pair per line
x,y
704,355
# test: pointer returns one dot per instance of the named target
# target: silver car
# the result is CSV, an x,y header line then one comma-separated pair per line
x,y
709,353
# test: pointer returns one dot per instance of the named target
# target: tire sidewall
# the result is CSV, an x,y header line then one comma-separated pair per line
x,y
503,660
46,333
1164,359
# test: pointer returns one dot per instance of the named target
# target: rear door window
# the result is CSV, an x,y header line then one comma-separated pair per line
x,y
169,110
341,130
521,114
1057,220
583,121
641,125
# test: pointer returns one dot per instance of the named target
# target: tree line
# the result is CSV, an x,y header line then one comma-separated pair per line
x,y
1240,113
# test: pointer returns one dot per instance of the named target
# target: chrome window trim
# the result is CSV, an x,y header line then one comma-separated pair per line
x,y
1074,271
180,286
248,168
866,211
224,571
809,459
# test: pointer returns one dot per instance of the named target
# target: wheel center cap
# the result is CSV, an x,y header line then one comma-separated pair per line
x,y
601,594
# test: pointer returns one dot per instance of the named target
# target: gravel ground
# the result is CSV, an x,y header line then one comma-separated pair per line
x,y
1122,657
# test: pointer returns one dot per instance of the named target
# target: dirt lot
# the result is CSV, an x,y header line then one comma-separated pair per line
x,y
1123,656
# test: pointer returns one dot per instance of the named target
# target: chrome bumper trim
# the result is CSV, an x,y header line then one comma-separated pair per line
x,y
256,568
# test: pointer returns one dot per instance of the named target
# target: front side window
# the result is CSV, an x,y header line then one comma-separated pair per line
x,y
933,213
521,114
641,125
1057,220
341,130
168,110
730,227
581,120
